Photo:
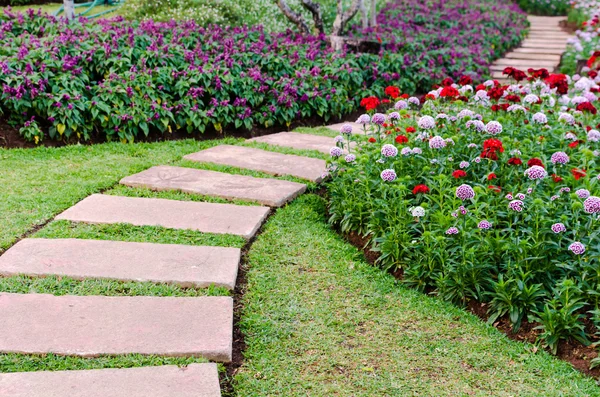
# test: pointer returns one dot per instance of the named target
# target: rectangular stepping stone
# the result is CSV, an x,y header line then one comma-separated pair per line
x,y
297,141
541,57
204,217
539,51
90,326
540,46
526,62
272,192
261,160
195,380
184,265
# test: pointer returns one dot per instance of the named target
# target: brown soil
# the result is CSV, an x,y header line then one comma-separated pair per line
x,y
578,355
569,27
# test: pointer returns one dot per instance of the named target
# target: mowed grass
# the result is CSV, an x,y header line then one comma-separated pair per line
x,y
39,183
319,321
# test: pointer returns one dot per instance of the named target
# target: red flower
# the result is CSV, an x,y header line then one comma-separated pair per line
x,y
513,98
420,189
372,140
480,87
459,174
492,176
401,139
392,92
558,81
410,129
369,103
496,92
404,96
539,73
449,92
575,144
556,178
592,74
447,82
491,147
429,96
535,161
494,188
586,107
578,173
464,80
515,73
515,161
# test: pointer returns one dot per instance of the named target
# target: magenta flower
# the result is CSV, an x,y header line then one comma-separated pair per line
x,y
452,230
378,118
465,192
536,172
558,228
388,175
582,193
389,150
591,205
484,225
346,129
516,205
559,158
437,142
336,151
577,248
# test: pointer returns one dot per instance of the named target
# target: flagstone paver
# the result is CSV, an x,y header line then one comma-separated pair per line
x,y
540,49
272,192
262,160
296,140
204,217
82,259
195,380
90,326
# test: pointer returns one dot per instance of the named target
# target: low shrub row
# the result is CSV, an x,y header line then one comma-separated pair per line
x,y
585,46
121,80
545,7
488,193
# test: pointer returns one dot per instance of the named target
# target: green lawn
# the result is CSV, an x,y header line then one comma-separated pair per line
x,y
318,320
52,7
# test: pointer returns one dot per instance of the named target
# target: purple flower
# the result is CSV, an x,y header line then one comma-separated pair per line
x,y
437,142
400,105
335,151
591,205
493,127
558,228
509,196
338,139
452,230
484,225
426,122
388,175
564,190
559,158
582,193
554,198
520,196
394,116
465,192
593,136
378,118
577,248
463,164
417,150
363,119
463,210
516,205
540,118
536,172
350,158
389,150
346,129
406,151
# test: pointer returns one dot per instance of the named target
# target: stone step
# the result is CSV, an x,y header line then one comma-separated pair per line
x,y
551,51
545,42
296,140
185,265
536,57
498,75
261,160
545,35
90,326
540,46
525,62
204,217
271,192
195,380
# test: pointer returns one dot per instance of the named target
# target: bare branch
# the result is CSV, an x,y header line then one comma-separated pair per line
x,y
295,17
317,14
343,17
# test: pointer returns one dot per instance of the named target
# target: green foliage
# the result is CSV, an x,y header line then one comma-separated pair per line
x,y
545,7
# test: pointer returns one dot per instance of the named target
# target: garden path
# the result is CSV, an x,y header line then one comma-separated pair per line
x,y
542,48
91,326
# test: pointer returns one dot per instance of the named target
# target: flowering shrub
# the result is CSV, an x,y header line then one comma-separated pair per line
x,y
545,7
446,37
585,46
508,200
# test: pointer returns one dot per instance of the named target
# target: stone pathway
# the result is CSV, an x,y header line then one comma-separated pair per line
x,y
91,326
542,48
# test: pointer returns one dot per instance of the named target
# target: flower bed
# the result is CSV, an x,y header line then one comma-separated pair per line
x,y
585,46
486,193
121,80
447,37
545,7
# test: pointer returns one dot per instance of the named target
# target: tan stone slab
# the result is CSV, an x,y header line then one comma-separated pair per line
x,y
203,217
195,380
539,51
271,192
547,35
297,141
90,326
536,57
525,62
185,265
540,46
262,160
545,42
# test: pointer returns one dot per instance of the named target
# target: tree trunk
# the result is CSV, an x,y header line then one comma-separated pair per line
x,y
342,17
373,13
69,7
364,14
294,17
317,15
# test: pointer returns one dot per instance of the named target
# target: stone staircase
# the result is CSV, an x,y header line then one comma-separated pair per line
x,y
542,48
92,326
